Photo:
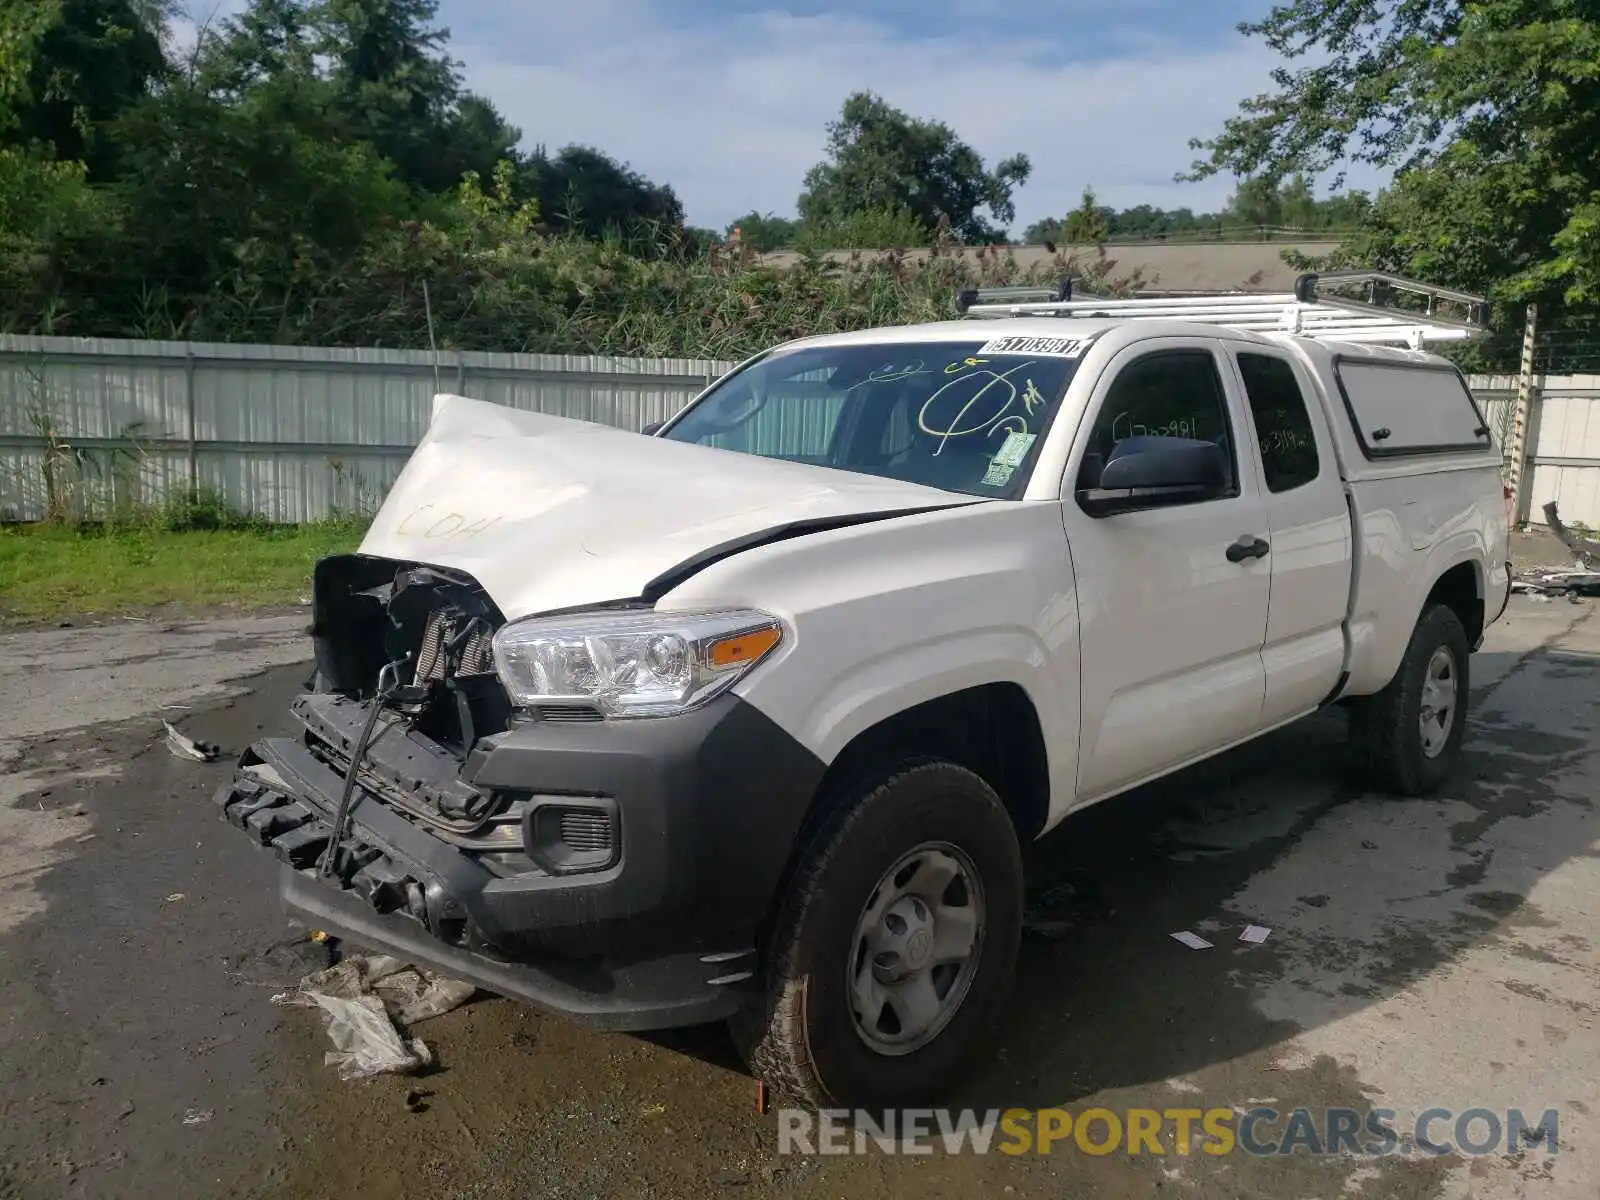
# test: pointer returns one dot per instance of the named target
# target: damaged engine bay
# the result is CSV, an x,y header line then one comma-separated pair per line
x,y
423,634
406,651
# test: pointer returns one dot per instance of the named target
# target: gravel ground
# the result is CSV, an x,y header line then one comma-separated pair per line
x,y
1436,953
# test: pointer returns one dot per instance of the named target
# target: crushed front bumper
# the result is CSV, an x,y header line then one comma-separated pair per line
x,y
706,808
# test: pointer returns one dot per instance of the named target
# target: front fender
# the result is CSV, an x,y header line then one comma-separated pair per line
x,y
887,616
844,705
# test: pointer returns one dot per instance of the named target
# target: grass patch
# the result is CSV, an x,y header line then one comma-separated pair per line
x,y
50,571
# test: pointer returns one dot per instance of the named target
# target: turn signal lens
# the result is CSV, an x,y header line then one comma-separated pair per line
x,y
745,648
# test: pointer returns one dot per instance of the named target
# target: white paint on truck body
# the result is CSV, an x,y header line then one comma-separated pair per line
x,y
1140,643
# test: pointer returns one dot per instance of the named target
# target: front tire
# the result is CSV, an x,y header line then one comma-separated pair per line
x,y
1407,738
892,951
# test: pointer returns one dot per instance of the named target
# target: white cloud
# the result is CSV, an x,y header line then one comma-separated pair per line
x,y
732,115
732,112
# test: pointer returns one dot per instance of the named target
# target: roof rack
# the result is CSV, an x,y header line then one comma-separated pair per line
x,y
1060,294
1443,316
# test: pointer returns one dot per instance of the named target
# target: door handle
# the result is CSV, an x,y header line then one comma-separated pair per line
x,y
1248,547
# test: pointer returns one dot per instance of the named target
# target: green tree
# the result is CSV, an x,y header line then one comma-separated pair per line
x,y
1047,230
583,190
1143,220
79,64
1089,224
475,138
1256,203
272,43
763,233
391,81
229,221
371,72
1488,111
880,159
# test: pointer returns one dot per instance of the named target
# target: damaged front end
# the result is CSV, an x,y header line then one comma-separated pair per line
x,y
403,691
403,813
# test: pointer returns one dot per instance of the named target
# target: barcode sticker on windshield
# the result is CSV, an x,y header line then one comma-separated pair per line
x,y
1013,449
998,474
1044,346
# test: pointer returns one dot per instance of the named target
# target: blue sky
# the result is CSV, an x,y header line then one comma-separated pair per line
x,y
727,100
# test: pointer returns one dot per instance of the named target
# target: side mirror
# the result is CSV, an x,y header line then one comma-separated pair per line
x,y
1148,472
652,428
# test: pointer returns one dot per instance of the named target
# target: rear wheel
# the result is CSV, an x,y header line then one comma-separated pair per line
x,y
892,952
1407,738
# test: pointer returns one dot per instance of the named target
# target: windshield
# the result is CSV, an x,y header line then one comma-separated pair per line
x,y
966,416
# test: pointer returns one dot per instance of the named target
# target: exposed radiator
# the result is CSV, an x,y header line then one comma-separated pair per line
x,y
443,632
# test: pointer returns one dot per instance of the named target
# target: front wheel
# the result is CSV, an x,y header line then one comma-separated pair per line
x,y
1407,738
892,951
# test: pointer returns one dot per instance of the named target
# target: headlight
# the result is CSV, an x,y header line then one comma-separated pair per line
x,y
644,664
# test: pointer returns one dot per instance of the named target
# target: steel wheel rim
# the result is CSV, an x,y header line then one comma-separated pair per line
x,y
1440,694
915,949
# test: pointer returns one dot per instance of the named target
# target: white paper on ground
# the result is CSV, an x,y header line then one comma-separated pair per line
x,y
1192,940
1255,934
362,998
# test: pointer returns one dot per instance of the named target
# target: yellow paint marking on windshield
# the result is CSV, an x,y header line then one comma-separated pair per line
x,y
1032,397
963,364
1005,396
892,374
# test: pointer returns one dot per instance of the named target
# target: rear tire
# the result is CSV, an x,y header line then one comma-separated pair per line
x,y
1404,740
892,951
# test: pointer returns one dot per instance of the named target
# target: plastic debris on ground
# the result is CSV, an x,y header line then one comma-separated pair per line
x,y
1254,934
185,747
1582,578
364,999
1557,581
267,774
1192,940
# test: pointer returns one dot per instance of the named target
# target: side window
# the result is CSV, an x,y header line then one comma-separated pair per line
x,y
1400,409
1283,425
1170,393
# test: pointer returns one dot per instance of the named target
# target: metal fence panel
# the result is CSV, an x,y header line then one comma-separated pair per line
x,y
1566,450
291,433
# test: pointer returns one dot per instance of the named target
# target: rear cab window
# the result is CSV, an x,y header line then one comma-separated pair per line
x,y
1278,409
1401,409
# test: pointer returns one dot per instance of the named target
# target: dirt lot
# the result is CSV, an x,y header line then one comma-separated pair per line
x,y
1440,953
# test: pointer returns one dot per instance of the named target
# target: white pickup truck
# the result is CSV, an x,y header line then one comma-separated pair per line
x,y
748,719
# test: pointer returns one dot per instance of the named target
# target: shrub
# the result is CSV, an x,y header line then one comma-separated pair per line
x,y
200,508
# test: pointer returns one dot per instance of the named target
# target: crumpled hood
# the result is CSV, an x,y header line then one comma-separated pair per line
x,y
548,513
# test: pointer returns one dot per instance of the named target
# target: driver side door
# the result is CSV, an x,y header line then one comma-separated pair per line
x,y
1172,625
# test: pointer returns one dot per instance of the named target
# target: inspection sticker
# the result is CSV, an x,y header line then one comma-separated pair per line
x,y
1013,449
1006,460
1053,347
